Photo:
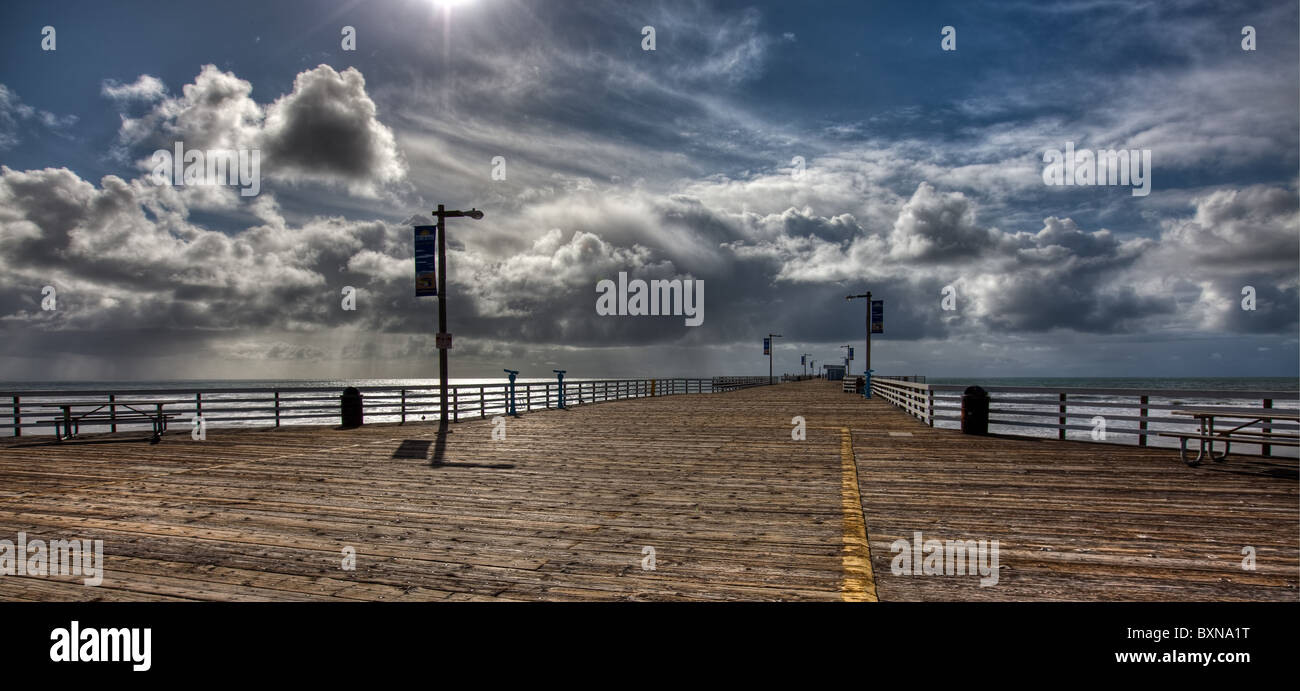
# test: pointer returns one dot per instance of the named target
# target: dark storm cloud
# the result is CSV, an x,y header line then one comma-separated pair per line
x,y
328,126
1277,309
1038,303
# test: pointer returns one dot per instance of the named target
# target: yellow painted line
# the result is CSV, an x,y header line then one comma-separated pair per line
x,y
859,581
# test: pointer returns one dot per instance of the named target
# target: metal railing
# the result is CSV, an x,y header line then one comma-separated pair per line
x,y
276,406
1036,411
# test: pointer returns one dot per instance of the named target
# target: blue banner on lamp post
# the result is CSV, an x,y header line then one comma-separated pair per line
x,y
877,316
767,346
426,261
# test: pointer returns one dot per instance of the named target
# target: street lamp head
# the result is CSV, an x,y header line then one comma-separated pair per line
x,y
474,214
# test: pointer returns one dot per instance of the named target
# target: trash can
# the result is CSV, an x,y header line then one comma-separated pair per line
x,y
975,411
859,385
350,406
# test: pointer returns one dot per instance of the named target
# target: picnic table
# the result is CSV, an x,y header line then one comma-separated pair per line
x,y
1208,435
99,412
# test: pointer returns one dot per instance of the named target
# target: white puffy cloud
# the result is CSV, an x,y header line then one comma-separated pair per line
x,y
326,130
146,88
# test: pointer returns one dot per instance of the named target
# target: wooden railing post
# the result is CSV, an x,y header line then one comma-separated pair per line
x,y
1060,433
1267,449
1142,424
112,413
277,408
18,416
198,404
403,406
482,405
455,404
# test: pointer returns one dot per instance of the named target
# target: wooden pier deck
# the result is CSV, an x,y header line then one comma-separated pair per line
x,y
565,506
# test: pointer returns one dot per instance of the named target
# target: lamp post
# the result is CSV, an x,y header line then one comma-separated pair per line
x,y
867,369
771,348
804,358
847,349
866,295
444,338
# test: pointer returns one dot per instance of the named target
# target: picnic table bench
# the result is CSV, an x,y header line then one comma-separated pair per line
x,y
1207,435
68,424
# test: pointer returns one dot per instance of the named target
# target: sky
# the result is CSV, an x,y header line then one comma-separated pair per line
x,y
784,154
